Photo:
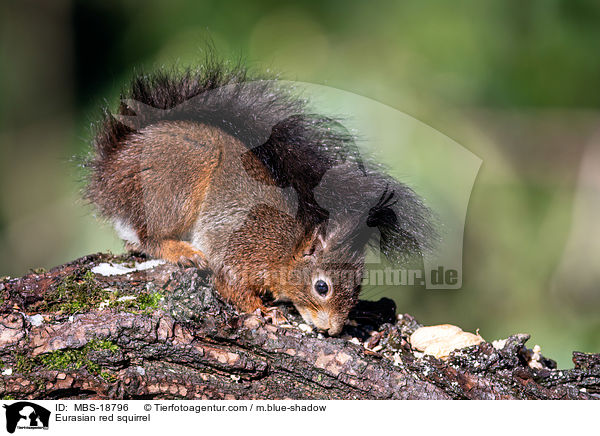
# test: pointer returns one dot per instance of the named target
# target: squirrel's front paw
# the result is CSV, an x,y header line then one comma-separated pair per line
x,y
274,315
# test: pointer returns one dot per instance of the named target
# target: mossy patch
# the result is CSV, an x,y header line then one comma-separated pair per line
x,y
80,292
24,364
71,359
143,302
77,293
108,376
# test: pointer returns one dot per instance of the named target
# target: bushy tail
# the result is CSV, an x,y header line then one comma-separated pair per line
x,y
378,211
313,154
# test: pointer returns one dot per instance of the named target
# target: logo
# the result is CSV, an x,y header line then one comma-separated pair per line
x,y
26,415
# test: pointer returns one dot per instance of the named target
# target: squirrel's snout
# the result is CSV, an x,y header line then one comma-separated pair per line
x,y
335,329
327,323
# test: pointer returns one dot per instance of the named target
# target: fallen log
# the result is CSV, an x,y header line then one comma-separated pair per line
x,y
123,327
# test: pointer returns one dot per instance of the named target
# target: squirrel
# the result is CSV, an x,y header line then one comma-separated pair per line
x,y
215,168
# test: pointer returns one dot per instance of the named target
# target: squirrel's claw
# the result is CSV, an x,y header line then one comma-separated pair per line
x,y
196,261
274,315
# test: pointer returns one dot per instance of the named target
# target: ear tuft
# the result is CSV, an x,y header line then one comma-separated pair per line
x,y
313,243
322,242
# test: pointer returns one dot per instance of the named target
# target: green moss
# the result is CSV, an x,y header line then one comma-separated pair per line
x,y
80,293
71,359
76,358
150,301
102,344
41,385
39,270
108,376
8,398
144,302
24,364
76,293
68,359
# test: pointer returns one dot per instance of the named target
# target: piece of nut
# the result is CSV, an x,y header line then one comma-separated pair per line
x,y
305,328
440,340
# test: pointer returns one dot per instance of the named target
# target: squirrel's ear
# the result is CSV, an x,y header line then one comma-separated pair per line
x,y
313,244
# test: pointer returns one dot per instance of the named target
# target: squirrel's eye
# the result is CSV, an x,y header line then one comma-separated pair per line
x,y
321,287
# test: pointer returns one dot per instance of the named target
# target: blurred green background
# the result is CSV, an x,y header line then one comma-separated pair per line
x,y
516,83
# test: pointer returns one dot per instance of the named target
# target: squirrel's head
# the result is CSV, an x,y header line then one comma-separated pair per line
x,y
327,272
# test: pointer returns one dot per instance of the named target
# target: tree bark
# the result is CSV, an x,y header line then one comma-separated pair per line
x,y
164,333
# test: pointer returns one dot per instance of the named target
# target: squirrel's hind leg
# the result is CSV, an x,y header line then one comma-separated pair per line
x,y
177,252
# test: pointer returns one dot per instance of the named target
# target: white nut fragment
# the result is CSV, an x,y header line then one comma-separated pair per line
x,y
305,328
499,344
535,361
440,340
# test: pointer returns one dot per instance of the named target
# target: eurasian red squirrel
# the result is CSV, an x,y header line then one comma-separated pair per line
x,y
218,169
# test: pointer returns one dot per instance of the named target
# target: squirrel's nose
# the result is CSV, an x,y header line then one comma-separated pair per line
x,y
334,329
327,324
323,321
